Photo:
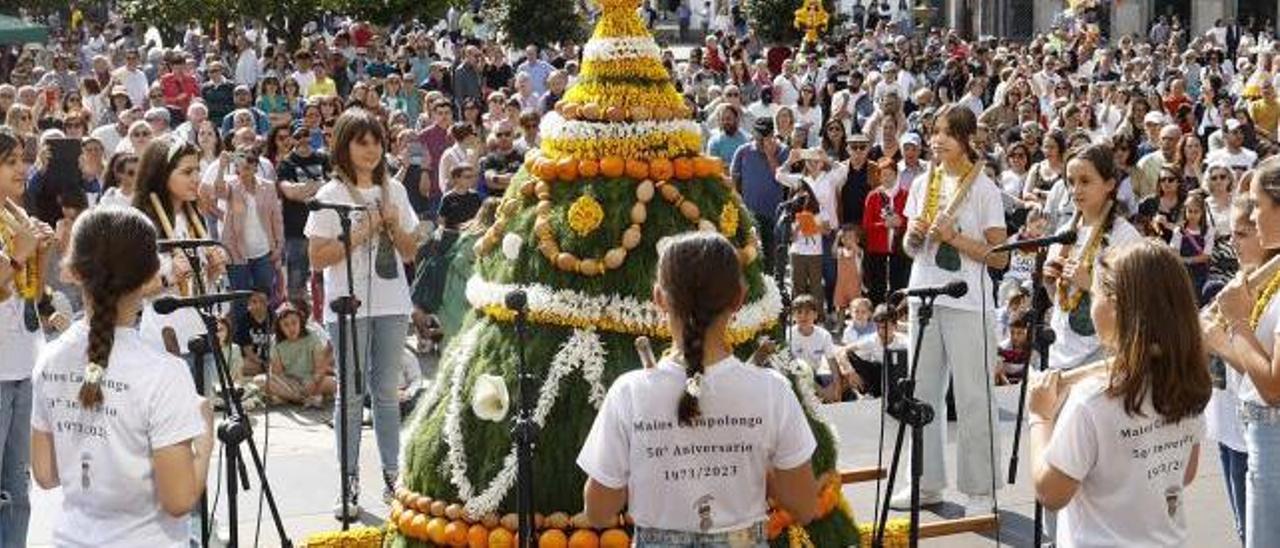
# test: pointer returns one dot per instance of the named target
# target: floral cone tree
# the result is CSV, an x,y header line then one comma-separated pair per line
x,y
579,230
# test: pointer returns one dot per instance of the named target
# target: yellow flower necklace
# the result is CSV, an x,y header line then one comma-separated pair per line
x,y
1068,301
1260,305
933,192
27,280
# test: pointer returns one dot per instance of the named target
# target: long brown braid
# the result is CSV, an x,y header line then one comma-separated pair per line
x,y
696,273
107,273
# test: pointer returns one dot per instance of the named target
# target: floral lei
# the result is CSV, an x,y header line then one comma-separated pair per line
x,y
933,191
1068,301
1260,305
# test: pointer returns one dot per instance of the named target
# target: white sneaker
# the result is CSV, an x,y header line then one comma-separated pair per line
x,y
353,506
979,505
902,499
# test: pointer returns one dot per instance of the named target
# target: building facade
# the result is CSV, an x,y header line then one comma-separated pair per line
x,y
1022,18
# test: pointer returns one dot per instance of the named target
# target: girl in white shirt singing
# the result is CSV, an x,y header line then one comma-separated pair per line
x,y
117,423
748,428
1117,458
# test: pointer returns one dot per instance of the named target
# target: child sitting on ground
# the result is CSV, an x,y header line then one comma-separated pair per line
x,y
859,324
813,344
461,202
301,365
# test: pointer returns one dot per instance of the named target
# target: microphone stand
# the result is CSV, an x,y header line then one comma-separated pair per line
x,y
917,414
345,307
782,234
525,430
1042,338
234,429
198,352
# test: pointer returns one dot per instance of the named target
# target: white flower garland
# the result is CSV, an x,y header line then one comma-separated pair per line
x,y
569,303
555,126
628,47
459,354
801,373
582,351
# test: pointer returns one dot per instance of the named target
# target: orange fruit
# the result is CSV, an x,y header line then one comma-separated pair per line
x,y
501,538
567,169
637,169
660,169
435,531
683,168
405,521
455,533
612,166
706,166
418,527
615,538
477,537
545,169
584,538
553,538
588,168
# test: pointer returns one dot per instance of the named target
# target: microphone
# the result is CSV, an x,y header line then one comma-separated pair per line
x,y
516,301
317,205
954,290
169,245
1066,237
166,305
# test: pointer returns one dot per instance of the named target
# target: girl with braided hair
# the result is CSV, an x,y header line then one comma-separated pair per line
x,y
694,445
1099,224
117,422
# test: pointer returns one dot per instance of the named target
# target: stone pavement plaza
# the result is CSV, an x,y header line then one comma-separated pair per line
x,y
303,472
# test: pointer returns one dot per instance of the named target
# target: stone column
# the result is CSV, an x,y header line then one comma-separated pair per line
x,y
1130,17
1045,12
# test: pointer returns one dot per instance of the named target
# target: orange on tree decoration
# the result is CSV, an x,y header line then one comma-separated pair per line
x,y
421,518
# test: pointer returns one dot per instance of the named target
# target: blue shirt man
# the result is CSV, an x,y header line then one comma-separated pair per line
x,y
753,167
726,140
537,69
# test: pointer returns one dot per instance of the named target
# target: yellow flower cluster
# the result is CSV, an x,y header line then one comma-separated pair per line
x,y
649,145
501,313
585,215
618,23
359,537
729,219
625,95
895,533
635,68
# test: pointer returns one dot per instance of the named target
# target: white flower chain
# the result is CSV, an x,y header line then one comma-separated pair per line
x,y
555,126
568,303
583,351
459,354
801,374
626,47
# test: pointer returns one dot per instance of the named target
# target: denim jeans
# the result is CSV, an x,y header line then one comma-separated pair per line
x,y
380,347
297,266
1262,485
256,274
1235,465
15,452
750,537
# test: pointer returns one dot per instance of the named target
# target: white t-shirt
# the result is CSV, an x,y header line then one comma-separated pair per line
x,y
104,455
813,348
982,209
1222,417
256,243
377,296
1268,324
1072,349
1130,471
20,347
826,187
186,322
709,477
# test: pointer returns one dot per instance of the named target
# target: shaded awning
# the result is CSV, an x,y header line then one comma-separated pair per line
x,y
17,31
